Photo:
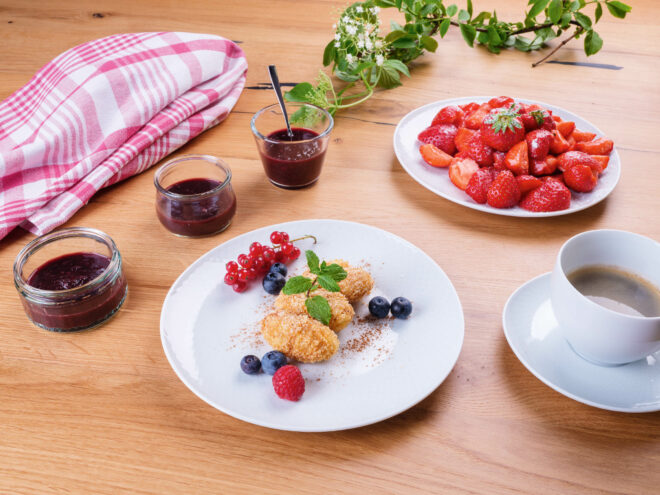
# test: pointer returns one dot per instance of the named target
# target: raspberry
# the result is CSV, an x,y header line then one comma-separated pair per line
x,y
289,383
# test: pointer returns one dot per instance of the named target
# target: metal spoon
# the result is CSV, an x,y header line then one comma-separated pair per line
x,y
278,91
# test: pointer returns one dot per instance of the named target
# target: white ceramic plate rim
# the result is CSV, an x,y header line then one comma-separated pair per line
x,y
549,383
274,425
614,165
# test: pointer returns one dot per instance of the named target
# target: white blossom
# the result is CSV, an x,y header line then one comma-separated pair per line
x,y
349,58
334,26
379,44
337,44
360,44
358,9
351,30
337,36
375,10
379,60
346,19
369,45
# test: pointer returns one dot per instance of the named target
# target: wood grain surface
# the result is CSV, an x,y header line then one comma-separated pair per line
x,y
102,411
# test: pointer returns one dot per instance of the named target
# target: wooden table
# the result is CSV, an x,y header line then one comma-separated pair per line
x,y
103,412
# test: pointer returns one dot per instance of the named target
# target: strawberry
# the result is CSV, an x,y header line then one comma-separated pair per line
x,y
463,137
580,136
527,183
559,144
552,195
538,144
461,170
468,108
289,383
572,158
498,160
479,183
517,159
441,136
500,101
566,128
451,115
502,128
535,117
599,146
559,177
571,142
544,167
479,151
504,192
434,156
602,160
580,178
474,119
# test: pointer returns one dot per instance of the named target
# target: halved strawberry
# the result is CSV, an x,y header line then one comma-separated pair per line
x,y
474,119
500,101
572,158
504,192
434,156
559,144
451,115
517,159
527,183
602,160
580,136
469,107
552,195
566,128
479,151
463,137
479,183
538,144
461,170
580,178
441,136
599,146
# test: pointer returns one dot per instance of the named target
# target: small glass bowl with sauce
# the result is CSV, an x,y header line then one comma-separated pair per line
x,y
71,279
194,196
292,162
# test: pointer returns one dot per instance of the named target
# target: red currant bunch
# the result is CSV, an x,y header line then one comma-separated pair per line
x,y
260,258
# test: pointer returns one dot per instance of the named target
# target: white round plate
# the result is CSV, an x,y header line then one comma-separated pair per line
x,y
533,334
437,180
206,328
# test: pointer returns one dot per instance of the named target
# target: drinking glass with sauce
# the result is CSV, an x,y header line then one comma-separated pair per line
x,y
292,161
194,195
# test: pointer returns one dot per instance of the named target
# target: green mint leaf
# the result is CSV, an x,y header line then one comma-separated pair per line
x,y
328,283
335,271
618,9
463,16
451,10
313,262
599,12
592,43
555,10
297,285
319,309
299,92
444,26
538,7
429,43
469,33
582,20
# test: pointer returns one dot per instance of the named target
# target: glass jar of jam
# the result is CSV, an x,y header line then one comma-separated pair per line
x,y
71,279
194,196
292,161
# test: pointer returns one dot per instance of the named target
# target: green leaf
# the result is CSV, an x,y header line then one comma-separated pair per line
x,y
299,92
328,283
395,35
582,20
482,37
463,16
404,43
389,77
307,116
565,20
297,285
481,18
451,10
618,9
335,271
329,53
398,65
592,43
555,10
313,262
537,8
469,8
522,44
319,309
444,27
468,32
427,9
599,12
493,36
429,43
575,6
346,76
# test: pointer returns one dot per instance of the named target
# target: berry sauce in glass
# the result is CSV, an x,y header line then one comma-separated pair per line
x,y
193,217
68,271
293,165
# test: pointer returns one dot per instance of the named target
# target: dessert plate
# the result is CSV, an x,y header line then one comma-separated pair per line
x,y
406,148
534,335
380,370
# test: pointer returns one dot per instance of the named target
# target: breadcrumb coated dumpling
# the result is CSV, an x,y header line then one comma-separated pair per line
x,y
357,284
299,336
342,311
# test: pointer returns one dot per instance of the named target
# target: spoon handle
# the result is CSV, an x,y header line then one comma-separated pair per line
x,y
278,91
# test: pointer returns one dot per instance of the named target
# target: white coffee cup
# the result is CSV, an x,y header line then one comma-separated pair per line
x,y
599,334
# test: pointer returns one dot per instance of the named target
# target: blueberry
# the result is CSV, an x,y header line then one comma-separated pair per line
x,y
273,282
401,308
250,364
279,268
379,307
272,361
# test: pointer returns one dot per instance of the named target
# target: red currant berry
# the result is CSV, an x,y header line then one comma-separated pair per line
x,y
260,264
243,260
280,257
252,261
230,278
239,286
256,248
276,237
287,247
294,254
231,267
284,237
268,254
242,275
251,273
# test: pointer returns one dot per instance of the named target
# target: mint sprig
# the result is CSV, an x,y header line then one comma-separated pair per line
x,y
327,277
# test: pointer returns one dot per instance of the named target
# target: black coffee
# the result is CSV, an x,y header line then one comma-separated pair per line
x,y
618,290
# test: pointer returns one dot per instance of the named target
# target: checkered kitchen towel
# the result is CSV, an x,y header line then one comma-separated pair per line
x,y
104,111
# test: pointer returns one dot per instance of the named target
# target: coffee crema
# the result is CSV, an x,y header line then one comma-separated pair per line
x,y
617,289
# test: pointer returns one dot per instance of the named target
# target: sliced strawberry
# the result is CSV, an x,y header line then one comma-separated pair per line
x,y
461,170
498,160
580,178
580,136
479,183
527,183
434,156
571,142
469,107
500,101
517,159
504,192
566,128
451,115
552,195
559,144
463,137
556,118
602,160
599,146
474,119
572,158
441,136
538,144
544,167
479,151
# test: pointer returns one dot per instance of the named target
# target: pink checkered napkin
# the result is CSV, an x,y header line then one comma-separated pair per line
x,y
104,111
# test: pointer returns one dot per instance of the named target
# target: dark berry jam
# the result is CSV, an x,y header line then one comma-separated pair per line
x,y
68,271
293,161
192,216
